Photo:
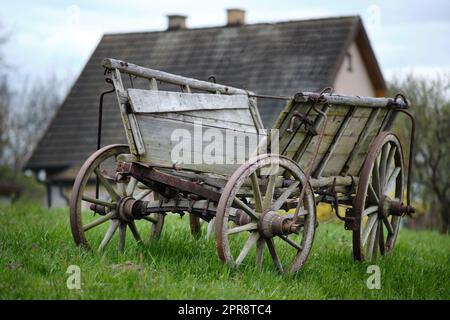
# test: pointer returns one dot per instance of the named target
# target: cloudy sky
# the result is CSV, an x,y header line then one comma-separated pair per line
x,y
59,36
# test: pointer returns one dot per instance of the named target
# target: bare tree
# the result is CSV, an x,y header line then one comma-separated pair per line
x,y
35,107
5,99
25,112
430,101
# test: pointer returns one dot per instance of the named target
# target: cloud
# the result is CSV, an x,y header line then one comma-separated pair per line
x,y
49,35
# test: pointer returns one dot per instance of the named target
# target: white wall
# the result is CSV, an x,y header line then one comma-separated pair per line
x,y
356,81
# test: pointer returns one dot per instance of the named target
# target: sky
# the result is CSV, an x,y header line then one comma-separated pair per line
x,y
57,37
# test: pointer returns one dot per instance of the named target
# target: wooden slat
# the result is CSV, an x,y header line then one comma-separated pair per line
x,y
239,119
169,78
148,101
364,135
157,132
331,148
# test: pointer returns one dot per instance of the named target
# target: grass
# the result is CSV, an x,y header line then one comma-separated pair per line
x,y
37,248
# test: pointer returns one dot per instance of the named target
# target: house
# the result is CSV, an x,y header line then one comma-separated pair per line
x,y
267,58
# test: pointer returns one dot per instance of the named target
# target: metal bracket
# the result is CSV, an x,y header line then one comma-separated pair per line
x,y
308,123
334,202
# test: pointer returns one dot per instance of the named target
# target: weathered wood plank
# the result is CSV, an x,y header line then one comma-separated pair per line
x,y
169,78
336,139
233,120
148,101
163,142
358,101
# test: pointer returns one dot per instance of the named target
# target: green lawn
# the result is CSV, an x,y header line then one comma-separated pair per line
x,y
37,247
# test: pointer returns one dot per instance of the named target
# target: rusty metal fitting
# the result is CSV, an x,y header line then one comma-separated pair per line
x,y
123,167
99,209
289,226
397,208
125,208
242,218
131,209
272,224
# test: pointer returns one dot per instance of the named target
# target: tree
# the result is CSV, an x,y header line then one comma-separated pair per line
x,y
5,99
430,104
25,112
34,109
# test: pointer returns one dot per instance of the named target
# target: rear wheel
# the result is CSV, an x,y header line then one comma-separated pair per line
x,y
378,201
95,213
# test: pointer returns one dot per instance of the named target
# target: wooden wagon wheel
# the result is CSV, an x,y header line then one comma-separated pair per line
x,y
259,216
378,202
97,214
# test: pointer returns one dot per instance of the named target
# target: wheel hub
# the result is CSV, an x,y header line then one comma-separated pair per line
x,y
388,206
273,224
131,209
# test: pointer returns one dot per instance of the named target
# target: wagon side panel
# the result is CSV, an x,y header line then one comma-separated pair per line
x,y
348,134
210,123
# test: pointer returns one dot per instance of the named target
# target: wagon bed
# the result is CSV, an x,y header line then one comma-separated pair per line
x,y
323,146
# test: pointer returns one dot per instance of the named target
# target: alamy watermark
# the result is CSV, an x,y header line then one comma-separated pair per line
x,y
374,280
213,146
74,279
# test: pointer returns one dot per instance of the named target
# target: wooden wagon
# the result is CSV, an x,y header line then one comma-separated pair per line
x,y
323,148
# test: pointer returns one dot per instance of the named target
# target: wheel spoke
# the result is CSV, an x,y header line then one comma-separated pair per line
x,y
390,158
376,177
122,235
376,242
284,196
131,186
391,180
270,190
372,240
99,221
210,228
109,233
106,184
373,195
254,236
134,231
121,189
274,255
370,210
388,226
239,203
368,229
260,244
256,192
291,242
381,239
151,219
99,202
245,227
142,194
383,163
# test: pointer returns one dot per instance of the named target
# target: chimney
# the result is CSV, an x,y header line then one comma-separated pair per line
x,y
176,22
235,17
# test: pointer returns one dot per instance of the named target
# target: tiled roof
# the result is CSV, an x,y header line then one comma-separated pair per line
x,y
275,59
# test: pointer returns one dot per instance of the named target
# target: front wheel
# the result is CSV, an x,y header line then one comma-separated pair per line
x,y
257,210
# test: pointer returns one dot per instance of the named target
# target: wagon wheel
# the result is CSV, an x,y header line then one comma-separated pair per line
x,y
95,216
254,212
378,201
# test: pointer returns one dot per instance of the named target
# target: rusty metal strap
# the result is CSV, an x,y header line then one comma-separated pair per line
x,y
146,173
